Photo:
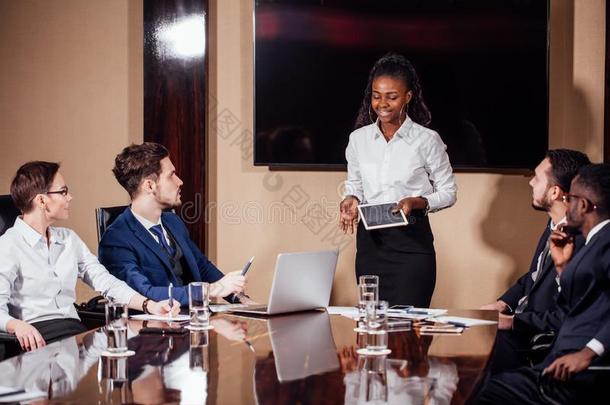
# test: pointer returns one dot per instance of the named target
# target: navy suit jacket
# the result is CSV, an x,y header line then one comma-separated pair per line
x,y
131,254
542,293
584,300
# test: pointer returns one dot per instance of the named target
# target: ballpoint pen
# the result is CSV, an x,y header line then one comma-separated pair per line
x,y
243,273
170,300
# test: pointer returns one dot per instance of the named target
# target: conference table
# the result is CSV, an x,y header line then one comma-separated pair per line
x,y
308,358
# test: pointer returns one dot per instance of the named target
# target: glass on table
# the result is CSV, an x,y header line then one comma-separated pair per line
x,y
116,327
199,299
368,291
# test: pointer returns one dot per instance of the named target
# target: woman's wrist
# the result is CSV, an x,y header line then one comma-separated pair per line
x,y
426,207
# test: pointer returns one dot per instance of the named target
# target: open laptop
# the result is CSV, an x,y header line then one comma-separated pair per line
x,y
302,281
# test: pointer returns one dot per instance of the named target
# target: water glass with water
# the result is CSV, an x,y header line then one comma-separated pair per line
x,y
199,298
368,291
116,327
377,327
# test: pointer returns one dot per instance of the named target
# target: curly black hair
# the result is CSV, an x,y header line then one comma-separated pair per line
x,y
396,66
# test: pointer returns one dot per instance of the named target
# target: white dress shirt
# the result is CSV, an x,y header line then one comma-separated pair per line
x,y
413,163
148,224
38,281
595,344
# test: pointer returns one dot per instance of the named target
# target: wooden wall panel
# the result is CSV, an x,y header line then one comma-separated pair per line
x,y
175,74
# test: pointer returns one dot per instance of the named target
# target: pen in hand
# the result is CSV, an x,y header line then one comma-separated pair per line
x,y
171,299
247,266
243,273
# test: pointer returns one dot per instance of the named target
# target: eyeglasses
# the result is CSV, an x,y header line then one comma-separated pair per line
x,y
567,197
64,192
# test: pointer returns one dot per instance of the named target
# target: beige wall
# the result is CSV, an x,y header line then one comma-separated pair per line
x,y
483,243
71,80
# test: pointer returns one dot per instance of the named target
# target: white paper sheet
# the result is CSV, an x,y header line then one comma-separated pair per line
x,y
460,321
147,317
348,312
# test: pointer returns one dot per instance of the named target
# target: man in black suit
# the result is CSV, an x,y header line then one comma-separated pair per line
x,y
536,291
583,306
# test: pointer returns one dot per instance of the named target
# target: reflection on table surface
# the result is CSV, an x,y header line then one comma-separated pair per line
x,y
306,357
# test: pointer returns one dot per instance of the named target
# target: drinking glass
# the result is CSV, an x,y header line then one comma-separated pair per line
x,y
116,327
199,298
368,291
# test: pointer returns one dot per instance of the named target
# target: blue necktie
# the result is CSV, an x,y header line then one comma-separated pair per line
x,y
157,230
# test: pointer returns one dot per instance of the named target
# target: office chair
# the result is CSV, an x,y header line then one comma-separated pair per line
x,y
8,213
92,312
105,216
9,345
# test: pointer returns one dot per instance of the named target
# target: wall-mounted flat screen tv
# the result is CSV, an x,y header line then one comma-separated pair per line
x,y
483,67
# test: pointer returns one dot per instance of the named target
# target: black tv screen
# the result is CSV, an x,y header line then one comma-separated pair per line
x,y
483,67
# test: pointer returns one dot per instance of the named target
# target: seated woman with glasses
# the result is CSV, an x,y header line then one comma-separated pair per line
x,y
39,264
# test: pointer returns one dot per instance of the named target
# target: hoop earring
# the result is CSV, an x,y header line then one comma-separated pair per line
x,y
370,116
405,108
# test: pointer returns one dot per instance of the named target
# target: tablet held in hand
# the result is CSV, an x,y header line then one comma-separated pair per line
x,y
376,216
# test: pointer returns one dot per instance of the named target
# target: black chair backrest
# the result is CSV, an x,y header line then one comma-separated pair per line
x,y
8,213
105,216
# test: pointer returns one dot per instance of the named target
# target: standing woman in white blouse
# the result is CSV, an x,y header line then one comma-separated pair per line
x,y
39,264
393,156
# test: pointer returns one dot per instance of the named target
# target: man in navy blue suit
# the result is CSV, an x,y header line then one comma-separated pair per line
x,y
536,291
148,247
582,317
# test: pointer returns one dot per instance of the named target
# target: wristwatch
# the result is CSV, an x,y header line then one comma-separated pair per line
x,y
427,207
145,306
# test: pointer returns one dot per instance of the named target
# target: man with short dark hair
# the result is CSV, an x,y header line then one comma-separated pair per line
x,y
583,337
149,247
536,291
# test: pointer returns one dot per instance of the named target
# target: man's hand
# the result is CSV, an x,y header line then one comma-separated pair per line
x,y
28,336
231,283
566,366
561,245
163,308
348,210
505,322
499,306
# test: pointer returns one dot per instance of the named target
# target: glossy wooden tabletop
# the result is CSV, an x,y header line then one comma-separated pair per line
x,y
307,358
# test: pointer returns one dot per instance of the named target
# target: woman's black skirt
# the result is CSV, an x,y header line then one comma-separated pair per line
x,y
404,259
